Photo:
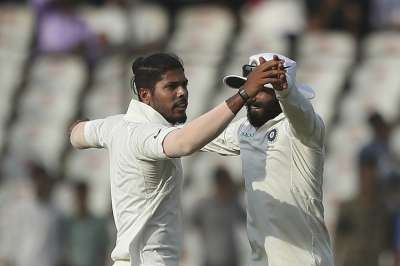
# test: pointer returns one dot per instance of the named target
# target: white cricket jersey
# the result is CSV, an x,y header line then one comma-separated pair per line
x,y
145,185
282,163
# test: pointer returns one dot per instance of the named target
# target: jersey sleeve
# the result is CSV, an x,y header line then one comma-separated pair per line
x,y
305,124
98,132
227,143
147,141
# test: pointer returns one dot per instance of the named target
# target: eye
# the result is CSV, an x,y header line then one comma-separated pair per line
x,y
171,87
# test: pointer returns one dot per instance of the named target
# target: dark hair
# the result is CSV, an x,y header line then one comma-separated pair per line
x,y
147,71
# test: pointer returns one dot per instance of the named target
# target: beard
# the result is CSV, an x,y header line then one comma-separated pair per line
x,y
179,117
258,113
175,114
177,120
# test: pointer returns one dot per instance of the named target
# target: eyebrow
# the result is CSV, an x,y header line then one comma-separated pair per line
x,y
176,83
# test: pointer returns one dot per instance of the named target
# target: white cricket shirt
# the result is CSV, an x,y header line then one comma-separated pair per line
x,y
282,163
145,185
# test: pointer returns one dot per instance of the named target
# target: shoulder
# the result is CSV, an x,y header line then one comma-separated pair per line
x,y
114,119
108,121
148,128
147,138
106,125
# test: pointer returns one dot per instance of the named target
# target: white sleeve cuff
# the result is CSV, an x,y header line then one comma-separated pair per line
x,y
281,94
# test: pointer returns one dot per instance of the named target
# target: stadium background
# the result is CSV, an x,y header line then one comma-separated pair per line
x,y
348,51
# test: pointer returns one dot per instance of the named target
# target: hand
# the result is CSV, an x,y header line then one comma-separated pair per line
x,y
267,72
283,84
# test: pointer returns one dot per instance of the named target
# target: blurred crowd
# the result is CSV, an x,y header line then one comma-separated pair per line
x,y
34,231
47,214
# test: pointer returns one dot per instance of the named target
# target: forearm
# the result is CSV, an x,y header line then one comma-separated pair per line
x,y
202,130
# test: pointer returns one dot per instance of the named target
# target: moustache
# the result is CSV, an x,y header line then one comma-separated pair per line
x,y
181,103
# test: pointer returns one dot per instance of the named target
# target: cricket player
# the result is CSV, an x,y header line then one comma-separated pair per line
x,y
281,145
145,146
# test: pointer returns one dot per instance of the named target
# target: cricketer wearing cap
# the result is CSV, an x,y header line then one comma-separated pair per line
x,y
281,145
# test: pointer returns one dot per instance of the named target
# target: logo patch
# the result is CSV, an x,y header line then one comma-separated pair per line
x,y
248,133
158,133
271,135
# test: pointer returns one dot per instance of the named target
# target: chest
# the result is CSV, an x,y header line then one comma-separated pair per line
x,y
264,147
159,175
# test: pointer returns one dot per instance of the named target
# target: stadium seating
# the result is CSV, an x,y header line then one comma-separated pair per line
x,y
10,78
16,28
250,41
329,46
14,51
202,33
268,17
324,61
92,167
110,21
374,86
46,108
382,44
201,86
148,24
109,93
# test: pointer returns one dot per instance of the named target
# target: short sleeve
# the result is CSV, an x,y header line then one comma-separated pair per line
x,y
147,141
98,132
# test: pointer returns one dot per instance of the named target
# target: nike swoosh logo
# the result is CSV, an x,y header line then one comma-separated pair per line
x,y
158,133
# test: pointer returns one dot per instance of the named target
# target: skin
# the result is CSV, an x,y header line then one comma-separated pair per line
x,y
169,96
264,106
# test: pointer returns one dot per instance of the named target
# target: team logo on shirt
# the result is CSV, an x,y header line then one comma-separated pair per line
x,y
271,135
158,133
248,132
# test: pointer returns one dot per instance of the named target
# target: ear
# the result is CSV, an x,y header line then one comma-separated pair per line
x,y
145,95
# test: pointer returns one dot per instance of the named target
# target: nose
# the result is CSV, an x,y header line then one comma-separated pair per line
x,y
181,91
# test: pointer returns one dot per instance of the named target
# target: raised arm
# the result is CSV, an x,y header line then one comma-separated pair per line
x,y
202,130
304,122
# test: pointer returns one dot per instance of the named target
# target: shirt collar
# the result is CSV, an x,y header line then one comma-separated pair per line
x,y
143,113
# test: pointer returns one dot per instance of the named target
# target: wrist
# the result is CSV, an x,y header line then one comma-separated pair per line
x,y
282,94
243,94
235,103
